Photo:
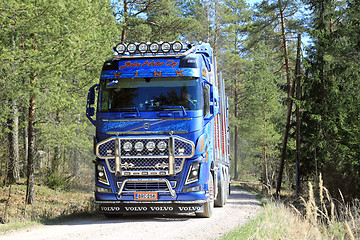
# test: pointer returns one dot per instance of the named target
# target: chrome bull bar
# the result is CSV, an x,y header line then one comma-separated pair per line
x,y
168,161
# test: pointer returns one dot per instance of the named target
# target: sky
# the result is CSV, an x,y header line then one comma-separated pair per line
x,y
251,2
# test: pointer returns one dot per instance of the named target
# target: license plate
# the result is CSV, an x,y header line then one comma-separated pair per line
x,y
145,196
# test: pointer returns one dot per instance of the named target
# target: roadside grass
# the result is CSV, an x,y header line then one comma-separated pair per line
x,y
50,205
318,217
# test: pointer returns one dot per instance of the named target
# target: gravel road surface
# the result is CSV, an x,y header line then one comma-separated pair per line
x,y
241,206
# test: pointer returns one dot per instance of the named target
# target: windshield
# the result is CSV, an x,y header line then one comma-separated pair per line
x,y
150,94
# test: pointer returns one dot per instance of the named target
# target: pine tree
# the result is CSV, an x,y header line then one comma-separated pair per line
x,y
54,47
331,125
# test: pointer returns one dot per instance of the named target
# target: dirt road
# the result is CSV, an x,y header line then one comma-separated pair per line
x,y
240,207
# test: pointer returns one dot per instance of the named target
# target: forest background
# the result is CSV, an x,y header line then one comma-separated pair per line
x,y
294,109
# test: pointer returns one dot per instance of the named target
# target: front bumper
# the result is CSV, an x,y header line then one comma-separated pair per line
x,y
131,207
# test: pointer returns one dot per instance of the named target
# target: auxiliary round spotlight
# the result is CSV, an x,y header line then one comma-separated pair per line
x,y
127,146
143,47
154,47
150,146
120,48
166,47
139,146
161,145
177,46
131,48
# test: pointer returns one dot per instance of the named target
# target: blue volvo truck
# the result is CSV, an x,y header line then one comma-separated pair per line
x,y
162,137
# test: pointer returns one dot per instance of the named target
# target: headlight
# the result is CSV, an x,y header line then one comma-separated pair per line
x,y
101,175
150,146
193,174
161,145
127,146
139,146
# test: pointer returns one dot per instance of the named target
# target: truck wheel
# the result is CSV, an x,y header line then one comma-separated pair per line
x,y
221,197
208,206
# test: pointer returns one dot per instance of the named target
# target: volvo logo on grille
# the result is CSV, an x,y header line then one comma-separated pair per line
x,y
146,125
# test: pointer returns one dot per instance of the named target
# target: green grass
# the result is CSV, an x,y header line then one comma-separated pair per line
x,y
274,222
18,225
318,220
50,205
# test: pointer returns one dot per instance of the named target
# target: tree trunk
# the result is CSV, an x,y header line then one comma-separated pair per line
x,y
31,152
298,123
236,173
55,163
285,140
265,170
290,95
125,14
13,174
236,138
286,55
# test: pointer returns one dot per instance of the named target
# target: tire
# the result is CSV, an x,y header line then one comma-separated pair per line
x,y
208,206
220,200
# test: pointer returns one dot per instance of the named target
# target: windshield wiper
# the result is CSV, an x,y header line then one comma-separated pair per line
x,y
129,108
181,107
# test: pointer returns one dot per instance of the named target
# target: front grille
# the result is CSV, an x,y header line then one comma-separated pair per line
x,y
107,148
147,186
145,162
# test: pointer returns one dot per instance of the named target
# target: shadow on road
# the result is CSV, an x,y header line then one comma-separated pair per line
x,y
239,198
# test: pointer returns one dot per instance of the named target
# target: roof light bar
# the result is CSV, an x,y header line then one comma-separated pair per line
x,y
154,47
166,47
177,46
151,48
143,48
131,48
120,48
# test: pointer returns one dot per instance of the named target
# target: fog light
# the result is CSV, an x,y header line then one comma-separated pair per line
x,y
197,188
102,190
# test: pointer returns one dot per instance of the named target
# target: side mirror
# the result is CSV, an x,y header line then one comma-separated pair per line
x,y
209,101
90,111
